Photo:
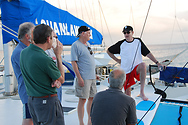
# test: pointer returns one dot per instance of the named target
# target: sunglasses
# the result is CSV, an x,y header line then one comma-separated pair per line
x,y
55,37
127,32
91,52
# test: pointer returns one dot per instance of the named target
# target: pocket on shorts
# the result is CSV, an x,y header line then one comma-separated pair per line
x,y
79,92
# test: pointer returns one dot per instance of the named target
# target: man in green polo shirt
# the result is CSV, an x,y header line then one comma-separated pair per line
x,y
42,77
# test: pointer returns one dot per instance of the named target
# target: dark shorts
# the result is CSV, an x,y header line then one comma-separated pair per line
x,y
130,78
26,113
46,111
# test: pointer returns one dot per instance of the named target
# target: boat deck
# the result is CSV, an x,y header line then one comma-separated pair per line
x,y
11,106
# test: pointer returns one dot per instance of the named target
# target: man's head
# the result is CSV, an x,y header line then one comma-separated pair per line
x,y
82,29
117,78
84,32
42,33
25,31
128,32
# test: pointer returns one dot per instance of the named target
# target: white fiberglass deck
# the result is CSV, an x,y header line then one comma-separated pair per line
x,y
11,107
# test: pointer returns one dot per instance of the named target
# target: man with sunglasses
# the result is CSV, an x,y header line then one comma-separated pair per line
x,y
82,59
131,50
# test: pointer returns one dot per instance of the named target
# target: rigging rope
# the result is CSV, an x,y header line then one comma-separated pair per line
x,y
131,15
102,29
76,9
94,17
168,64
145,20
82,10
1,60
66,5
139,43
176,21
63,53
178,55
105,20
87,12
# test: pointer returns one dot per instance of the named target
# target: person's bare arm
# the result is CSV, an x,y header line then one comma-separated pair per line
x,y
114,57
152,58
76,71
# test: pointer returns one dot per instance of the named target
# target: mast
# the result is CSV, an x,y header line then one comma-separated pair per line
x,y
10,81
8,77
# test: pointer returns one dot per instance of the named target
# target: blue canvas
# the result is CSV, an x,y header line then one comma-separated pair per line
x,y
62,22
170,75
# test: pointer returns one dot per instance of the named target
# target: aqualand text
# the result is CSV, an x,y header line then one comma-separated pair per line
x,y
62,28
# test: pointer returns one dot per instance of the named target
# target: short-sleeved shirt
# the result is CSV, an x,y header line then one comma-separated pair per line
x,y
15,60
113,107
85,61
38,70
51,54
127,52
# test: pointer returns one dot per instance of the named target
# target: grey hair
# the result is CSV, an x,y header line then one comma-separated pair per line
x,y
117,82
25,28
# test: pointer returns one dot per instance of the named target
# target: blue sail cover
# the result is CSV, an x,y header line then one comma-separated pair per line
x,y
62,22
169,75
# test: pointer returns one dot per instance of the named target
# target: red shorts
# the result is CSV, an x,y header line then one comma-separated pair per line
x,y
130,78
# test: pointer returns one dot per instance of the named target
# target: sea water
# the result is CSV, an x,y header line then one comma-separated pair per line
x,y
169,52
161,52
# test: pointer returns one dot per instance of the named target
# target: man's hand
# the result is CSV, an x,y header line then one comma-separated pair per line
x,y
114,57
59,48
81,82
118,61
160,65
56,84
97,77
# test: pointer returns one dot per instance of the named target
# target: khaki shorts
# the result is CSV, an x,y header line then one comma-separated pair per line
x,y
88,90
